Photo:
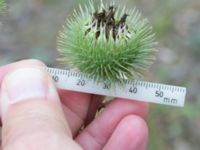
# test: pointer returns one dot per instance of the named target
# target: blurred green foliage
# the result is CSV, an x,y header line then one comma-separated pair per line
x,y
2,6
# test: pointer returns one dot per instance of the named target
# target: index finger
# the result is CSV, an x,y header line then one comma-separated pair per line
x,y
79,108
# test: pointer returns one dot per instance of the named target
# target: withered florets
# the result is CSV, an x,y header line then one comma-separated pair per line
x,y
110,25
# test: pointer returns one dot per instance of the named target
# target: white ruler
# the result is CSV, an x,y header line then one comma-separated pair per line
x,y
133,90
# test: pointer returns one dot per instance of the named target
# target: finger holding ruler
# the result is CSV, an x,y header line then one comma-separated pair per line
x,y
133,90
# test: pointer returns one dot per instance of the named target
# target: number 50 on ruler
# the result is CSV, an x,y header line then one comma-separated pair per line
x,y
133,90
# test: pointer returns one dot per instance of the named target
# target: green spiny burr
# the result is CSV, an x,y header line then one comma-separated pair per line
x,y
108,43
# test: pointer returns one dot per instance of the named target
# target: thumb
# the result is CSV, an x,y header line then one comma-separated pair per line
x,y
31,112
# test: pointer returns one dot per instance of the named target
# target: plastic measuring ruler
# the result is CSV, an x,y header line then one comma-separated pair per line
x,y
133,90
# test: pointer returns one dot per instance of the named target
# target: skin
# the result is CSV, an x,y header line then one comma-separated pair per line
x,y
53,121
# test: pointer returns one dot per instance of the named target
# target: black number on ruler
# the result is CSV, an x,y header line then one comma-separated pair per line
x,y
81,82
106,86
133,90
55,78
159,94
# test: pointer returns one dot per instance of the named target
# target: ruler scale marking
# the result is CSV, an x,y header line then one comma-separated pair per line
x,y
133,90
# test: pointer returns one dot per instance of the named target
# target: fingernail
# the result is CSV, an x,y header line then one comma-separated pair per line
x,y
23,84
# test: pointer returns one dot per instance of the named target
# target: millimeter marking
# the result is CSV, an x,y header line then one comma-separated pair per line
x,y
132,90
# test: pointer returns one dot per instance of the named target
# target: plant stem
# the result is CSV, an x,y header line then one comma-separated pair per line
x,y
96,101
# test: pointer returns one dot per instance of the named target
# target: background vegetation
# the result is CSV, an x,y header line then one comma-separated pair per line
x,y
30,28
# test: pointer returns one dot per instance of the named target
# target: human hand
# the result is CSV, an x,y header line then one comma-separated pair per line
x,y
36,116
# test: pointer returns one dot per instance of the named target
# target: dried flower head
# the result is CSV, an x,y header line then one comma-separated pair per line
x,y
109,43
